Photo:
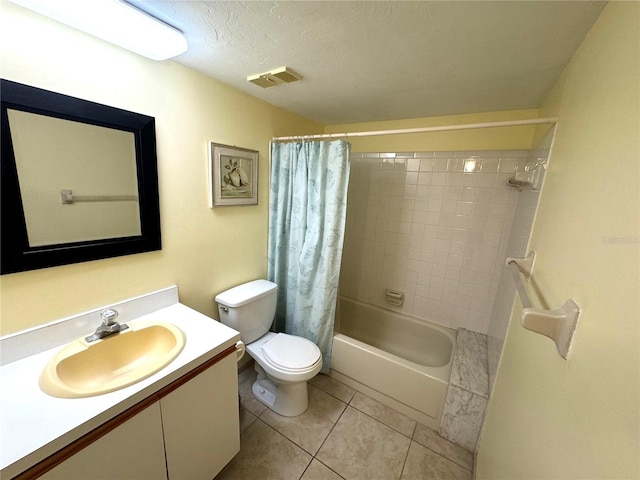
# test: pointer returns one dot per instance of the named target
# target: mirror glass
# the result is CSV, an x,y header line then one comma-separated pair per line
x,y
79,180
98,166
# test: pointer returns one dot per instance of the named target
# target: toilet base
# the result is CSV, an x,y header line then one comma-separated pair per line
x,y
286,399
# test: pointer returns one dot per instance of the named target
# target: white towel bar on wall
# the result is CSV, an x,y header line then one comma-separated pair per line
x,y
559,324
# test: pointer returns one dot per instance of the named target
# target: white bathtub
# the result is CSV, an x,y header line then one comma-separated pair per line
x,y
401,361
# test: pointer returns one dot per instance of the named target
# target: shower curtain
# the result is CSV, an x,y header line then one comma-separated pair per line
x,y
307,211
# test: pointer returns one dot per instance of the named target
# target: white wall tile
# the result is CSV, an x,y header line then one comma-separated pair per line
x,y
426,164
440,164
455,164
489,165
469,180
487,180
417,221
467,194
413,165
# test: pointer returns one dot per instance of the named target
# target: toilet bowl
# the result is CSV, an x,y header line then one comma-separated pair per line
x,y
284,363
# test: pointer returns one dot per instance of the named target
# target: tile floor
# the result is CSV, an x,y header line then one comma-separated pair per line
x,y
342,435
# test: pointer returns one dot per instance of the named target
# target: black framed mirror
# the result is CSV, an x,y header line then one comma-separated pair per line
x,y
79,180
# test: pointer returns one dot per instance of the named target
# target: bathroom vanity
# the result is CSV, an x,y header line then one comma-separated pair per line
x,y
180,422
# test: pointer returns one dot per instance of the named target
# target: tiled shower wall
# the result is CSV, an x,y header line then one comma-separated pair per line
x,y
434,225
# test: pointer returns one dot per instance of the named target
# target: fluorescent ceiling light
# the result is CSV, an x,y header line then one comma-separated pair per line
x,y
116,22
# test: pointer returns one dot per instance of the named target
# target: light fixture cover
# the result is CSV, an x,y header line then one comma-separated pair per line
x,y
116,22
275,77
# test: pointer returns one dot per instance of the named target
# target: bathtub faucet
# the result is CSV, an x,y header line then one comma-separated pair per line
x,y
108,327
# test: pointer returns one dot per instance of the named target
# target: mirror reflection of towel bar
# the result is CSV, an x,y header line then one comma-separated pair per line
x,y
69,198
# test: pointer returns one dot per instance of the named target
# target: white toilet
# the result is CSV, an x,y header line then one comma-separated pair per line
x,y
284,362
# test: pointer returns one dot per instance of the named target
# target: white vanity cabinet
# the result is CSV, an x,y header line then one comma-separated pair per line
x,y
134,449
201,423
188,430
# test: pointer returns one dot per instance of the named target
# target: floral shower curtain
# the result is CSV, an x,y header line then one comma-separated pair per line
x,y
307,211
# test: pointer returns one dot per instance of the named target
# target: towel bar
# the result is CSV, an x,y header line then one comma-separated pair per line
x,y
559,324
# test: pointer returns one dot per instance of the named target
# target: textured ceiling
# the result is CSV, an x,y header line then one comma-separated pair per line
x,y
384,60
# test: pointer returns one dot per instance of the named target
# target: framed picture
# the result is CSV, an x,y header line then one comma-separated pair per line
x,y
233,175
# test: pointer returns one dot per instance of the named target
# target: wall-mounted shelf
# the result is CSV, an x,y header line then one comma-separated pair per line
x,y
559,324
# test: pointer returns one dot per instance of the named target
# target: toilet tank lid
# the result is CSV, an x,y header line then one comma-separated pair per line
x,y
245,293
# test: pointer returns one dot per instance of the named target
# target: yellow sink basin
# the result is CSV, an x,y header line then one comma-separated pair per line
x,y
84,369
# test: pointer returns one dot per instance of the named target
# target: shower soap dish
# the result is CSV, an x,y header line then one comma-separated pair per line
x,y
560,324
530,178
393,297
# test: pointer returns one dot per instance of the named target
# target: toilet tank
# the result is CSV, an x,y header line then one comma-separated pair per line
x,y
249,308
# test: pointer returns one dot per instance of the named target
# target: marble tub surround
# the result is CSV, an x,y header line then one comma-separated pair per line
x,y
462,417
343,435
468,392
469,370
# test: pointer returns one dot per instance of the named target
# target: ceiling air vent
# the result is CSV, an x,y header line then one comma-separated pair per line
x,y
276,77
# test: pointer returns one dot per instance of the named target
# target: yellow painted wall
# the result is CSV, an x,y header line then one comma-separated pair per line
x,y
510,138
204,251
578,418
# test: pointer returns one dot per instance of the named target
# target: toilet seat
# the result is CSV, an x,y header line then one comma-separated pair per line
x,y
289,353
283,374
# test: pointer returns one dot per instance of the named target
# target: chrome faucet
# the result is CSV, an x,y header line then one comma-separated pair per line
x,y
108,327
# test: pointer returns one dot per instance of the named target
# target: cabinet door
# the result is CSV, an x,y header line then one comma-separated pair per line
x,y
133,450
201,423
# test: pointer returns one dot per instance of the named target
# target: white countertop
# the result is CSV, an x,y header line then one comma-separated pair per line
x,y
34,425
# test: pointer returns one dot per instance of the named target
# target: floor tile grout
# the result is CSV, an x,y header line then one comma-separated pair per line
x,y
332,428
404,463
314,456
345,405
410,437
317,459
382,423
334,396
441,455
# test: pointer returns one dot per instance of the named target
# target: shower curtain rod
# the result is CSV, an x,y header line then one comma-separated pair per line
x,y
468,126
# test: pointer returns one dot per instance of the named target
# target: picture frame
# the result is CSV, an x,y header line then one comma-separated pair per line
x,y
233,175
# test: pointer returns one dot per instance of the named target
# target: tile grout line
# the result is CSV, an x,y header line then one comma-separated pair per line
x,y
381,422
350,404
331,394
320,461
313,457
325,440
411,439
404,464
331,430
390,427
443,456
